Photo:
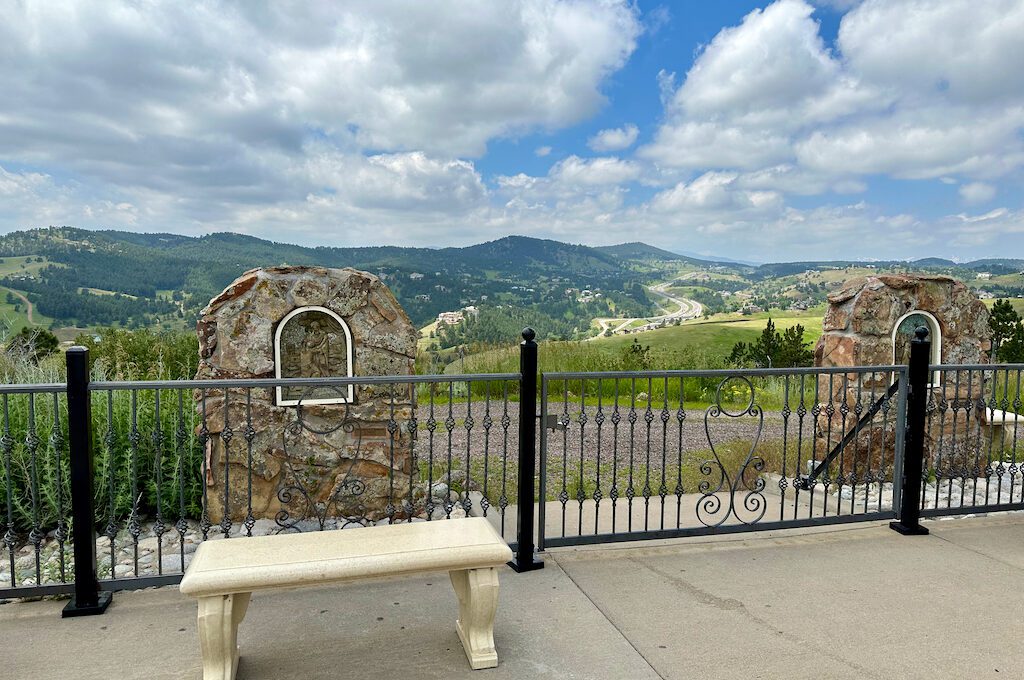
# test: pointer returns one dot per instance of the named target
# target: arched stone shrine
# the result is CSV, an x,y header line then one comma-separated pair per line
x,y
309,453
870,322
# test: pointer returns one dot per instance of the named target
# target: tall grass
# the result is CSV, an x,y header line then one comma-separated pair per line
x,y
144,463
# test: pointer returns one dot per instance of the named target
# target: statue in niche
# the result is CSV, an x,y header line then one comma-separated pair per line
x,y
316,348
313,342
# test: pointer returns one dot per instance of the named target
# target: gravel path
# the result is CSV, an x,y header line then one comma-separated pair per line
x,y
600,443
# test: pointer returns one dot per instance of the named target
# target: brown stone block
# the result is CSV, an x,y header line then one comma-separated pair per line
x,y
837,350
874,313
837,318
848,291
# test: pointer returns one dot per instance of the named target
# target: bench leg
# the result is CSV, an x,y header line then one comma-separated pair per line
x,y
219,617
477,590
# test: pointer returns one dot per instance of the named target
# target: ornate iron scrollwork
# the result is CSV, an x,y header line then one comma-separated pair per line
x,y
712,511
345,496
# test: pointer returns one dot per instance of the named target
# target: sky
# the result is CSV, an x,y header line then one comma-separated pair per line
x,y
764,131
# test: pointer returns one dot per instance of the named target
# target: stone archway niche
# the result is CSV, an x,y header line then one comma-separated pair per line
x,y
869,322
313,342
304,321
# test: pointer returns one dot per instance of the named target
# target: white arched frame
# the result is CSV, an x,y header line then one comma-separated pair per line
x,y
934,335
347,391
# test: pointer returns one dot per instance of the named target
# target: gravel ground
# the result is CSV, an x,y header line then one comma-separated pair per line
x,y
594,442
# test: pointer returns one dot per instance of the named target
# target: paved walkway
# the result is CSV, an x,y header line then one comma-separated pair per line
x,y
857,601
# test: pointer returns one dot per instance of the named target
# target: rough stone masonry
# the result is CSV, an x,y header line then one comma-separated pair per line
x,y
858,330
297,472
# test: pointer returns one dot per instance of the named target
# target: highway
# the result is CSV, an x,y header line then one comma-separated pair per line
x,y
687,309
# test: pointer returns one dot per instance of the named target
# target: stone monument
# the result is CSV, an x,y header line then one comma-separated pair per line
x,y
308,453
870,322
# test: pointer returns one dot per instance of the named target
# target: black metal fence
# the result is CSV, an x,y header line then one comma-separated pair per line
x,y
170,464
659,454
112,485
972,429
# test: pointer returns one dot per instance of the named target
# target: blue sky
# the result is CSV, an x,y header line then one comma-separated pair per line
x,y
764,131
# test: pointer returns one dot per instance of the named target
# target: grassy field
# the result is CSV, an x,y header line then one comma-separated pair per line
x,y
21,265
713,337
703,344
101,291
1017,303
12,321
425,341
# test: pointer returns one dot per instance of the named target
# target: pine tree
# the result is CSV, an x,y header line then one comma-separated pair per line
x,y
1004,322
773,349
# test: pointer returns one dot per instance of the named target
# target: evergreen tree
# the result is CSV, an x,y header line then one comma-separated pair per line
x,y
793,350
765,351
1011,350
1004,322
773,349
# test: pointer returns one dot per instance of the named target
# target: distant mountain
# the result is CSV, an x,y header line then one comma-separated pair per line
x,y
85,264
636,250
933,262
533,253
716,259
641,252
88,278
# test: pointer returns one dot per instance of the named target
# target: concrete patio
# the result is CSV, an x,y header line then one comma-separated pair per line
x,y
856,601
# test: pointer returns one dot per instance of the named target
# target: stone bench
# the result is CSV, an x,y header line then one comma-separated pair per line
x,y
225,573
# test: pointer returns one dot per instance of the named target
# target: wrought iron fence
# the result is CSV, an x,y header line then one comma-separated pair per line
x,y
656,454
971,459
112,485
36,497
181,462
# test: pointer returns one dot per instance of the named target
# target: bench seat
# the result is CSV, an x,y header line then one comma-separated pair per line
x,y
224,573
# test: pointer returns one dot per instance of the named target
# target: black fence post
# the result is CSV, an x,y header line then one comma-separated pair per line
x,y
88,599
525,558
913,446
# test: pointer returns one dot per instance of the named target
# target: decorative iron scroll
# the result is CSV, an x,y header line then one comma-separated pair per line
x,y
711,510
346,493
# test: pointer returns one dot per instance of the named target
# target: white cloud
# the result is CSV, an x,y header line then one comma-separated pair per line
x,y
977,192
397,182
614,139
348,126
956,50
922,89
595,171
175,99
791,179
918,144
995,227
706,144
717,192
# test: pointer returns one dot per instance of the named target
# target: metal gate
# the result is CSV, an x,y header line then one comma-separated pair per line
x,y
660,454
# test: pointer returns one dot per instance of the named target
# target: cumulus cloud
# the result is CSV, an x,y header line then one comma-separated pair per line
x,y
614,139
715,191
977,192
920,89
575,171
354,123
176,106
993,227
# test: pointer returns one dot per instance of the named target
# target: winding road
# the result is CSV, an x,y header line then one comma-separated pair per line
x,y
688,309
28,305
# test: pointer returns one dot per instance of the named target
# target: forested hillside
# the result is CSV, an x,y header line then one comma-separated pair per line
x,y
89,278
